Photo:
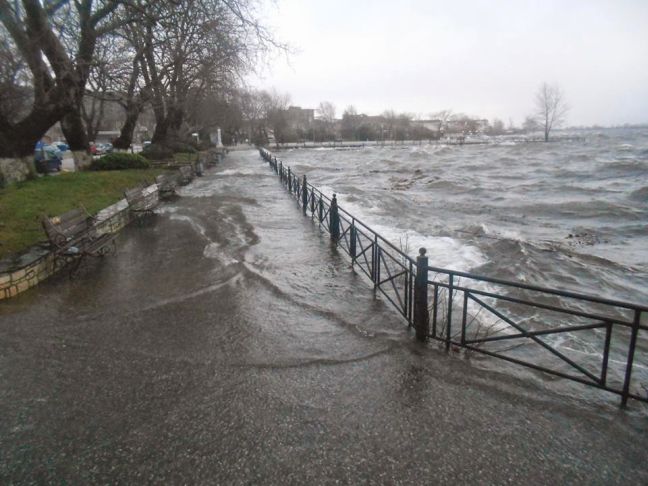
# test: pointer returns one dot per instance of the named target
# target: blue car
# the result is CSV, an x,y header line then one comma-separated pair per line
x,y
47,158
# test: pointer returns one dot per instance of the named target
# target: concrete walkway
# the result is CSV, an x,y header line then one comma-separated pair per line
x,y
227,343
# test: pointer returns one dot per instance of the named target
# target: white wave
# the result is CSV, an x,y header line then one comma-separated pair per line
x,y
166,209
213,251
442,251
236,172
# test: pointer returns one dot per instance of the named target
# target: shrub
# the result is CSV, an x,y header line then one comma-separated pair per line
x,y
182,148
157,152
120,161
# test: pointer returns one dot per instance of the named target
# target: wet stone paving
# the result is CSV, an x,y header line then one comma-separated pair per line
x,y
227,342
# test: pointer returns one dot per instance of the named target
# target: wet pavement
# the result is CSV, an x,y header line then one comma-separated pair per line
x,y
227,342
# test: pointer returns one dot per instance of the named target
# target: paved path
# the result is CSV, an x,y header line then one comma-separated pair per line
x,y
227,343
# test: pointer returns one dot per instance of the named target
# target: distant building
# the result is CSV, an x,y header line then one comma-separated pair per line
x,y
482,125
432,125
300,118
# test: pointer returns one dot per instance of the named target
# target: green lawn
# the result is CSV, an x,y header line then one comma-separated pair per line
x,y
185,158
23,204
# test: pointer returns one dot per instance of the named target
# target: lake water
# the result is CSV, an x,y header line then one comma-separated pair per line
x,y
571,215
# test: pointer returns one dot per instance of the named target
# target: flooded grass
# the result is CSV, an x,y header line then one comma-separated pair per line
x,y
23,204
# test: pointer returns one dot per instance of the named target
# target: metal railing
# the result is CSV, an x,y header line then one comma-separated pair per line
x,y
524,324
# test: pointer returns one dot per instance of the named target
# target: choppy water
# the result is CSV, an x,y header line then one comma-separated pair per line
x,y
570,214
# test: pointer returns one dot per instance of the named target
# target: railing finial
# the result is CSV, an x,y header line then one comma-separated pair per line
x,y
422,251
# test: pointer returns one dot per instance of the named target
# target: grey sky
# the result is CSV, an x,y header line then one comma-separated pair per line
x,y
479,57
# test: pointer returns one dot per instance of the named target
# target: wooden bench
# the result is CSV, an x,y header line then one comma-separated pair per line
x,y
167,184
142,200
73,234
186,174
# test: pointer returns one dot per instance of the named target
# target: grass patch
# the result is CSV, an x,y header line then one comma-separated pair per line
x,y
185,158
23,204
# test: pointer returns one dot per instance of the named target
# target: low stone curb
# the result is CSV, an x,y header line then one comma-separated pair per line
x,y
44,263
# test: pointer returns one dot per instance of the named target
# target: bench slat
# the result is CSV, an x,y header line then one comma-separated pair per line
x,y
74,228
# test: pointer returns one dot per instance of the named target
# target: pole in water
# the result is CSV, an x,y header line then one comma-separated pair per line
x,y
352,243
320,209
334,222
421,313
304,194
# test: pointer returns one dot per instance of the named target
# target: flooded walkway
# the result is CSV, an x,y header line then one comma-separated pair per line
x,y
227,342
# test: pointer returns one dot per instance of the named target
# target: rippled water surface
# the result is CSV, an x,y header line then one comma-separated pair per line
x,y
571,214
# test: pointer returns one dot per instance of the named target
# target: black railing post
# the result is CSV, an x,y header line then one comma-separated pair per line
x,y
304,194
434,310
449,324
320,216
289,180
312,202
410,294
464,319
631,350
334,220
376,262
421,313
352,242
281,171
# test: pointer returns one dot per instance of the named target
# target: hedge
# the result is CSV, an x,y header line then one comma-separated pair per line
x,y
120,161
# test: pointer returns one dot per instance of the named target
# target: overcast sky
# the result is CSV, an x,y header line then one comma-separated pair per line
x,y
484,58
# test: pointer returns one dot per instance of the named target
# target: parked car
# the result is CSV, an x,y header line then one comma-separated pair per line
x,y
47,158
62,146
104,148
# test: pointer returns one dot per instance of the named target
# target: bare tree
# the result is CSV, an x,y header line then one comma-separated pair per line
x,y
325,124
56,41
15,95
349,123
496,127
551,108
443,115
192,49
326,112
530,124
274,106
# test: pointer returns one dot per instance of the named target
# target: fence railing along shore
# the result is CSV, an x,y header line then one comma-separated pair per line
x,y
524,324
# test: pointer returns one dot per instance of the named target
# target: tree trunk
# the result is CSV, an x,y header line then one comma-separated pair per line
x,y
161,130
167,129
176,119
125,138
74,131
19,140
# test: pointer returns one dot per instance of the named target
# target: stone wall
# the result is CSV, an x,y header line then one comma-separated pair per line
x,y
13,283
15,169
